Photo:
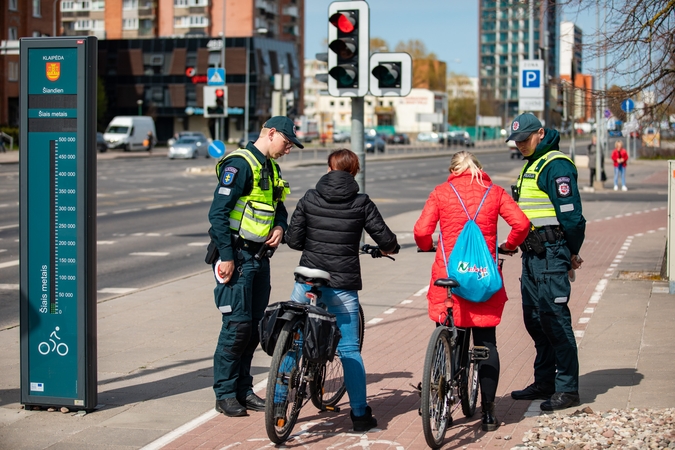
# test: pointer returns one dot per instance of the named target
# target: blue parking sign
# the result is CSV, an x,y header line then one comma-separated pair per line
x,y
531,78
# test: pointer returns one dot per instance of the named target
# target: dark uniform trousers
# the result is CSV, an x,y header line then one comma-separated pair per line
x,y
545,288
247,294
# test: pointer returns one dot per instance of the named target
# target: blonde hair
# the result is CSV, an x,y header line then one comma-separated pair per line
x,y
463,161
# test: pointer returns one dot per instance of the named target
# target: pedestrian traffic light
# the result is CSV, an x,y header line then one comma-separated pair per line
x,y
390,74
349,44
215,101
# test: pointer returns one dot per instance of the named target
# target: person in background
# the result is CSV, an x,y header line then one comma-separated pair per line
x,y
327,226
479,319
593,160
620,158
547,192
247,216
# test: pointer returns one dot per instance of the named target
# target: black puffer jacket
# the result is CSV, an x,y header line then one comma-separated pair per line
x,y
327,226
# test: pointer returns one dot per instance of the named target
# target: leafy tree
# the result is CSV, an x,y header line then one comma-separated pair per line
x,y
378,45
428,71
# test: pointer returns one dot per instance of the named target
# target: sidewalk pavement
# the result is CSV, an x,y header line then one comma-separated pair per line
x,y
155,350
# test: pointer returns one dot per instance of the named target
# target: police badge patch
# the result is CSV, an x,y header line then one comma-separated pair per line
x,y
227,178
563,187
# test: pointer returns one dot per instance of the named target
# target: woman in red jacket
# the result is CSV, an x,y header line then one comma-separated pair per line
x,y
467,176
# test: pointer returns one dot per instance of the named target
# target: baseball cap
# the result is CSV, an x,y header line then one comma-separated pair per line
x,y
285,126
523,126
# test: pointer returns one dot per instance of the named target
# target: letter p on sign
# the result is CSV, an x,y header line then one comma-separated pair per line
x,y
531,78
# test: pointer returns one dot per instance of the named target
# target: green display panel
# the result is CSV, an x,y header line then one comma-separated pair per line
x,y
57,219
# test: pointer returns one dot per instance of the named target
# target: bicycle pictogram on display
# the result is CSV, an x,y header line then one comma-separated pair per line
x,y
61,348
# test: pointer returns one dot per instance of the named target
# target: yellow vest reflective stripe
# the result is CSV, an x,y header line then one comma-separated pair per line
x,y
534,202
253,215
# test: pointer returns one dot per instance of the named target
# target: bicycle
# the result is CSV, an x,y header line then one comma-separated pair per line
x,y
450,376
294,380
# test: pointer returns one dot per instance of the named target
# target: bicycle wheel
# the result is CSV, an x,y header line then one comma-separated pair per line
x,y
436,383
328,389
284,398
468,382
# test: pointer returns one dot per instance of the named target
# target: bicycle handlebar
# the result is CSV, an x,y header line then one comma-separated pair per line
x,y
375,251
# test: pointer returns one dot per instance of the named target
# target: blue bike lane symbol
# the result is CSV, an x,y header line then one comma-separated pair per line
x,y
60,348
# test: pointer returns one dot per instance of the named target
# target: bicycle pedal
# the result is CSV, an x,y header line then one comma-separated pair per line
x,y
335,409
480,353
418,388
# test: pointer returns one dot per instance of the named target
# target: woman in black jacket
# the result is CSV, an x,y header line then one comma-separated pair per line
x,y
327,226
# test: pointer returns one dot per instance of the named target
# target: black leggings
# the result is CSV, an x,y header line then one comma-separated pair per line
x,y
488,370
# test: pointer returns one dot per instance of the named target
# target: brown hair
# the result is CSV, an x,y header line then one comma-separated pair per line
x,y
345,160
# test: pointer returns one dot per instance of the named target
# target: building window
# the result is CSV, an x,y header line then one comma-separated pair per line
x,y
130,23
13,5
180,3
66,6
36,8
190,21
13,72
13,34
130,4
98,5
84,24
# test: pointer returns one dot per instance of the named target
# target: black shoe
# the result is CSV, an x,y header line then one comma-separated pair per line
x,y
561,400
488,421
253,402
534,392
230,407
364,422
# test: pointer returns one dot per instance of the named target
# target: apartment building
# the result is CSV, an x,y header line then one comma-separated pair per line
x,y
503,35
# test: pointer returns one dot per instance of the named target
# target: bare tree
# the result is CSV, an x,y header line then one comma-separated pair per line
x,y
640,45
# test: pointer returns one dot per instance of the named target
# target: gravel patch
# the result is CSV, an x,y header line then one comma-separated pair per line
x,y
635,428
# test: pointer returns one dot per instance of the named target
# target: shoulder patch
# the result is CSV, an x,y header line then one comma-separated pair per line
x,y
563,187
227,177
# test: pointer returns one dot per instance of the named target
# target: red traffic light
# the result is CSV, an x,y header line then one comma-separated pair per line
x,y
344,21
220,93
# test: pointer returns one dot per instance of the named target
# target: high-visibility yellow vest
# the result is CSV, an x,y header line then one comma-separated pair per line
x,y
534,202
253,215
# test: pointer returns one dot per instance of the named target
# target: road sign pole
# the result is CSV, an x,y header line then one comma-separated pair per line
x,y
357,140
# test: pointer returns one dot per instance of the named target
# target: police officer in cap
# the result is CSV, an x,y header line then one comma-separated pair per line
x,y
548,194
248,218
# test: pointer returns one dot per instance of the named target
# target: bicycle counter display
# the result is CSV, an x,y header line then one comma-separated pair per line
x,y
57,218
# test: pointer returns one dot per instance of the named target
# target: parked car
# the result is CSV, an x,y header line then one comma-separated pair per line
x,y
399,138
189,147
252,136
101,144
373,143
181,134
342,136
461,138
513,150
129,132
428,137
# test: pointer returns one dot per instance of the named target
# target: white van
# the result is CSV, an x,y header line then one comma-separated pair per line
x,y
130,133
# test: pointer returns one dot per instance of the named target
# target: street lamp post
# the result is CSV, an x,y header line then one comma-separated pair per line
x,y
139,102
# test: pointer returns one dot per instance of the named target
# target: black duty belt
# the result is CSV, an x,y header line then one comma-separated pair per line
x,y
243,244
551,233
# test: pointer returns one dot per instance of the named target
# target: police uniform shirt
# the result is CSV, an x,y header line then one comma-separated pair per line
x,y
558,179
236,180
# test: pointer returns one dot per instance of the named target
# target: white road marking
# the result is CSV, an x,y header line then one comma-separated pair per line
x,y
406,302
105,242
421,291
149,254
116,290
9,264
6,227
390,311
9,287
122,211
374,321
198,244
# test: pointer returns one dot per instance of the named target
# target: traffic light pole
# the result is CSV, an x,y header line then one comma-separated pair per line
x,y
357,141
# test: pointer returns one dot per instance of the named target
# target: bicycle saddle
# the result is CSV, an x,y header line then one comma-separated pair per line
x,y
446,282
313,276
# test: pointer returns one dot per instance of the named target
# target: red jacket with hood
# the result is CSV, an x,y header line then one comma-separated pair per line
x,y
443,206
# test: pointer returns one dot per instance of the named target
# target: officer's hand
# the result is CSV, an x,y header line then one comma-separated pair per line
x,y
507,251
576,262
225,270
274,238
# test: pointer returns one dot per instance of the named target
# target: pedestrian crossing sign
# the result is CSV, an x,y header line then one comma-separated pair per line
x,y
215,76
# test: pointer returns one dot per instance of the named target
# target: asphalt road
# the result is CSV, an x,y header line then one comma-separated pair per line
x,y
152,214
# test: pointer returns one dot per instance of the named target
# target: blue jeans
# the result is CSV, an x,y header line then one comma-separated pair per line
x,y
345,306
620,170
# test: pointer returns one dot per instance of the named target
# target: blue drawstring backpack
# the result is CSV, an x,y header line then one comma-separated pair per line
x,y
471,263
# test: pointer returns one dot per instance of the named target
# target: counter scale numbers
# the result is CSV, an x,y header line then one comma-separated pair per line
x,y
57,205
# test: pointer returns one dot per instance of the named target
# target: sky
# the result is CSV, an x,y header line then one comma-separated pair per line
x,y
448,28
